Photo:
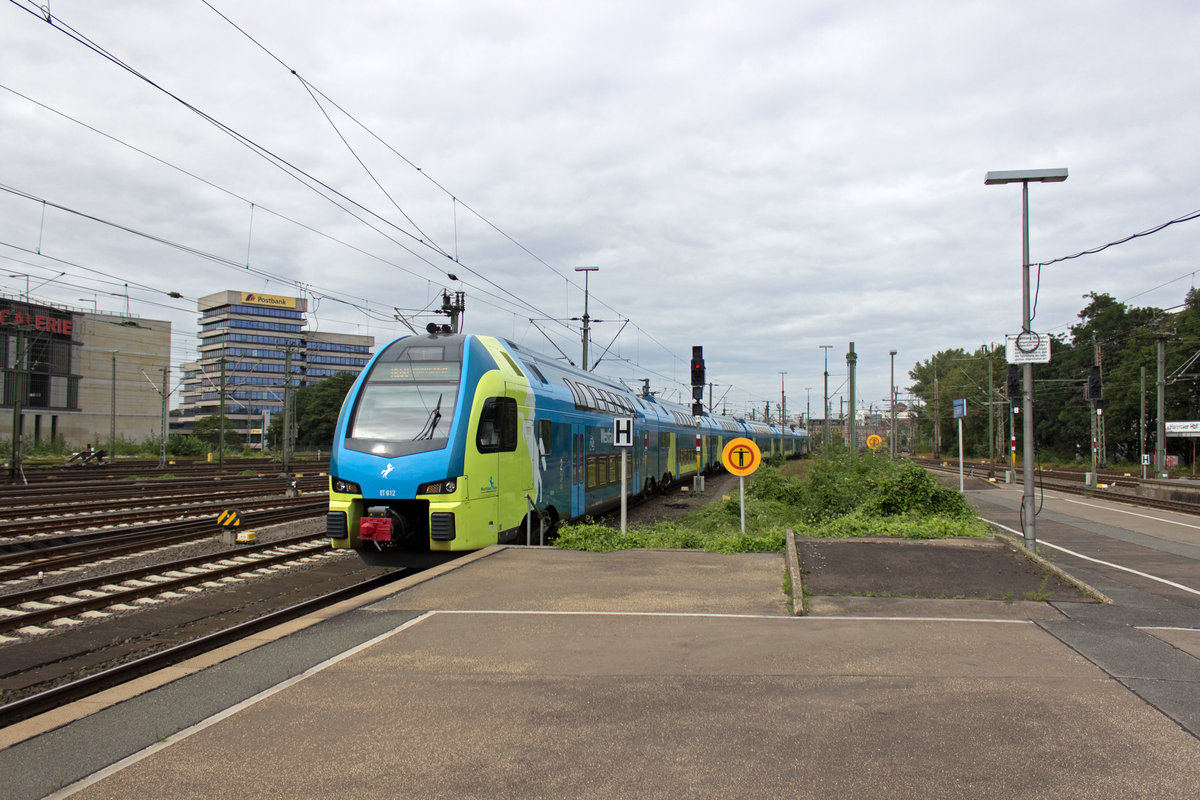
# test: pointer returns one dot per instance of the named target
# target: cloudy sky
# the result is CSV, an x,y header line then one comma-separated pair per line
x,y
760,178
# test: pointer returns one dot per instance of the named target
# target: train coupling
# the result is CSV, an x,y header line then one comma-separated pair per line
x,y
377,526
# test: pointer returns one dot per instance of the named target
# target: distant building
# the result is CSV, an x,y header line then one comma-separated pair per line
x,y
251,343
80,377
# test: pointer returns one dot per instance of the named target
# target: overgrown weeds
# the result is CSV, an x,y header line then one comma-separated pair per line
x,y
839,495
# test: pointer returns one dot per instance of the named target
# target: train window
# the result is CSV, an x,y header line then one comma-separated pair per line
x,y
497,426
576,393
513,364
544,435
591,472
537,373
594,400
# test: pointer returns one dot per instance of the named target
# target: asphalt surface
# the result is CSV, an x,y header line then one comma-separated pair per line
x,y
537,673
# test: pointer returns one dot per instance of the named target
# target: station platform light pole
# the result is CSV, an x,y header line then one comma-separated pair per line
x,y
1026,177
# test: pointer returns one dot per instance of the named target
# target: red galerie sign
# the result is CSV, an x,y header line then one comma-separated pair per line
x,y
35,322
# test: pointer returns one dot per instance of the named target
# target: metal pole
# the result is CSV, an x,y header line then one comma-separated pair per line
x,y
221,420
851,361
624,492
960,456
112,414
742,499
1028,524
825,424
162,444
1160,445
287,408
892,399
1142,425
782,401
586,330
14,469
991,417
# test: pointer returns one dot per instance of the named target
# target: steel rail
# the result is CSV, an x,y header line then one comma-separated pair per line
x,y
61,695
29,562
84,520
41,591
127,594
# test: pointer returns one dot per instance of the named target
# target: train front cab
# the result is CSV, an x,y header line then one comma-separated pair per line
x,y
434,451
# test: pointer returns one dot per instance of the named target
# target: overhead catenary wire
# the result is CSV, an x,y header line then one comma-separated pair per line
x,y
324,189
290,169
455,200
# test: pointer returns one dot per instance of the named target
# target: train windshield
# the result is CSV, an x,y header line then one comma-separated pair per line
x,y
407,402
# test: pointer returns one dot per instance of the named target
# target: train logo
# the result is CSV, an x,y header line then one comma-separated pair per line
x,y
387,470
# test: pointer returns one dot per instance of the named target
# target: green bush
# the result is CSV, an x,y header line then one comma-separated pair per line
x,y
841,495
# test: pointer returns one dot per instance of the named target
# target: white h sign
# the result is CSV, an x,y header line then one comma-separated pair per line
x,y
623,431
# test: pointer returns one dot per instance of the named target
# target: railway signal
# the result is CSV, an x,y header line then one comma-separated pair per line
x,y
697,380
1012,388
1093,391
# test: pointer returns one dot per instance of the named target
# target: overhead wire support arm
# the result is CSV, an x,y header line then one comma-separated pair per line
x,y
610,344
533,322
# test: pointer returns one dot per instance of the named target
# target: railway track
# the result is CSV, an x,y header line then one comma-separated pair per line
x,y
122,517
31,701
35,474
1120,486
62,603
25,502
30,557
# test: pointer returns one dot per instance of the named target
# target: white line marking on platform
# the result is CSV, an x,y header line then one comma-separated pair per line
x,y
1098,561
146,752
1123,511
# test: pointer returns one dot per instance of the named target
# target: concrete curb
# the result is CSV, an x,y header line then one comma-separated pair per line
x,y
792,554
1058,571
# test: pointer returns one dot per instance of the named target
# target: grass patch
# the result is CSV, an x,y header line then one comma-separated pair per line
x,y
842,495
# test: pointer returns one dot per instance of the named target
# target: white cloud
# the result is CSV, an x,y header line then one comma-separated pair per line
x,y
757,178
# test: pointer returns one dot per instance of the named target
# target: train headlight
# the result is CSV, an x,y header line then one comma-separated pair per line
x,y
346,487
446,486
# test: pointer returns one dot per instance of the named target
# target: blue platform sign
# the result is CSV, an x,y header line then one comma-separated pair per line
x,y
960,408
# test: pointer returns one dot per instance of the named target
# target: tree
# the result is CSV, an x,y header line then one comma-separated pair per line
x,y
317,408
209,430
1126,341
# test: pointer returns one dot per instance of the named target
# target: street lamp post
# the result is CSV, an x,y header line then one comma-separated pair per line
x,y
586,333
1025,177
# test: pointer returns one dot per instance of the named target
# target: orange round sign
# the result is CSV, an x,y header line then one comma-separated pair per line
x,y
741,456
874,441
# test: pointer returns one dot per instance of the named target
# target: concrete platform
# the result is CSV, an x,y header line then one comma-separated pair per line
x,y
645,674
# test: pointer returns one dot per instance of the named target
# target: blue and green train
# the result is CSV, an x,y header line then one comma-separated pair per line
x,y
453,442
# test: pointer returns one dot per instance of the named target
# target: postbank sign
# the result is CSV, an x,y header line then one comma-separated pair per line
x,y
271,300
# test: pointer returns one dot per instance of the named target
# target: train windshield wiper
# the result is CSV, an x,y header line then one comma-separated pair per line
x,y
435,417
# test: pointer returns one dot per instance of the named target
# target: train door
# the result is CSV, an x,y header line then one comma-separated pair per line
x,y
578,460
495,434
